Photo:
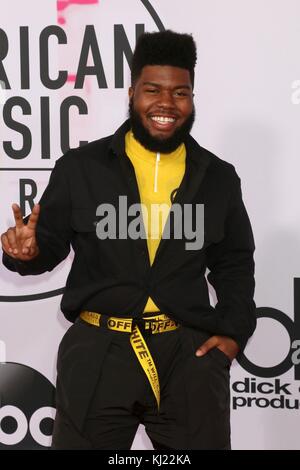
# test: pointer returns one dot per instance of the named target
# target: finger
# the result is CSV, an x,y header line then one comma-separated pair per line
x,y
34,216
27,245
28,242
12,240
5,244
17,215
205,347
228,346
30,247
33,250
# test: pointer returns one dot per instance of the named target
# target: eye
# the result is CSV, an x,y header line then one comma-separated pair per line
x,y
151,90
181,93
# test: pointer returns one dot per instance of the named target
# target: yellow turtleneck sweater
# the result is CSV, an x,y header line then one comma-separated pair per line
x,y
158,176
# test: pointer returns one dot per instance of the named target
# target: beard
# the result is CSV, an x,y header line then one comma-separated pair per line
x,y
155,144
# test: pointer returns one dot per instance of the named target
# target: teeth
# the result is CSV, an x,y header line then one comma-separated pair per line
x,y
162,119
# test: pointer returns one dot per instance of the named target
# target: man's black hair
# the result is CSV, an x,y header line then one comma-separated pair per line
x,y
164,48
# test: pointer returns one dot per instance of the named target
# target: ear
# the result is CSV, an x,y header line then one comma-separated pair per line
x,y
130,92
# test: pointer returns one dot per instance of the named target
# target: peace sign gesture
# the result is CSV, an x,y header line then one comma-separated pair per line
x,y
19,242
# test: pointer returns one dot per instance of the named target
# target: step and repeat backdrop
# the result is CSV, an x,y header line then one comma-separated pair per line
x,y
64,77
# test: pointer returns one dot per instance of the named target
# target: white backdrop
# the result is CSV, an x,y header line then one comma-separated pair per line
x,y
247,97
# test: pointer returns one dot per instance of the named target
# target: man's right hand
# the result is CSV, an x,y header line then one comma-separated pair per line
x,y
19,242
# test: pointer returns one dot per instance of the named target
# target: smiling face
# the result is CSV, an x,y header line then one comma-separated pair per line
x,y
161,107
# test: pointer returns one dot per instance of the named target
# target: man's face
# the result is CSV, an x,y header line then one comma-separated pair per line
x,y
161,107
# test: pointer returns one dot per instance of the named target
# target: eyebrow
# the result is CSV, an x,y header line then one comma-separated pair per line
x,y
188,87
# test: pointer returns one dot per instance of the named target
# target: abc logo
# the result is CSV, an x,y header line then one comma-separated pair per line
x,y
27,408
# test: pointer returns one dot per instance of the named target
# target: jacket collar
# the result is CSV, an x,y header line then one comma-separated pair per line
x,y
118,139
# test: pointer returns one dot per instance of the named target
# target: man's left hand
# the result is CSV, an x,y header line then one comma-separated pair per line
x,y
227,345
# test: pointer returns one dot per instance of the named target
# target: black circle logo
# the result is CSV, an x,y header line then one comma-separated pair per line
x,y
27,408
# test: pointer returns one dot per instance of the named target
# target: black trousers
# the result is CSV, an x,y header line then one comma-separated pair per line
x,y
195,394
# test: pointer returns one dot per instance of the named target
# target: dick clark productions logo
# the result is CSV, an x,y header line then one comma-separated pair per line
x,y
293,328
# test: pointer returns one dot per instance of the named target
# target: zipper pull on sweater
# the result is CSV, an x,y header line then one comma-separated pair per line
x,y
156,171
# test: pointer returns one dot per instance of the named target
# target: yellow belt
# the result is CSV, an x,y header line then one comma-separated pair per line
x,y
154,324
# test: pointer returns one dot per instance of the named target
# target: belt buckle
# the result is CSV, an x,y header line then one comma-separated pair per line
x,y
141,323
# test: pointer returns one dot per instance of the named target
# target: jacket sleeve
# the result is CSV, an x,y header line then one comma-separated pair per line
x,y
231,266
53,229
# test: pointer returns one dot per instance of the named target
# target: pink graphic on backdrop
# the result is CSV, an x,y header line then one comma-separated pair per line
x,y
61,5
72,78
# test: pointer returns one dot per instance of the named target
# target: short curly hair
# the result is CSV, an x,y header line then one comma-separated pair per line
x,y
164,48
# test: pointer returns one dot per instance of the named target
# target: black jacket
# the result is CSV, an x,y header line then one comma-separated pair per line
x,y
114,276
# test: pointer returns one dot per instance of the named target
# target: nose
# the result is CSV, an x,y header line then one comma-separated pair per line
x,y
166,100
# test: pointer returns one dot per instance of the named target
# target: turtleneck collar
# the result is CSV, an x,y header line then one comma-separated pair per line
x,y
138,151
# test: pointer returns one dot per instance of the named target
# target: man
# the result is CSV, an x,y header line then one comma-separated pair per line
x,y
146,346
